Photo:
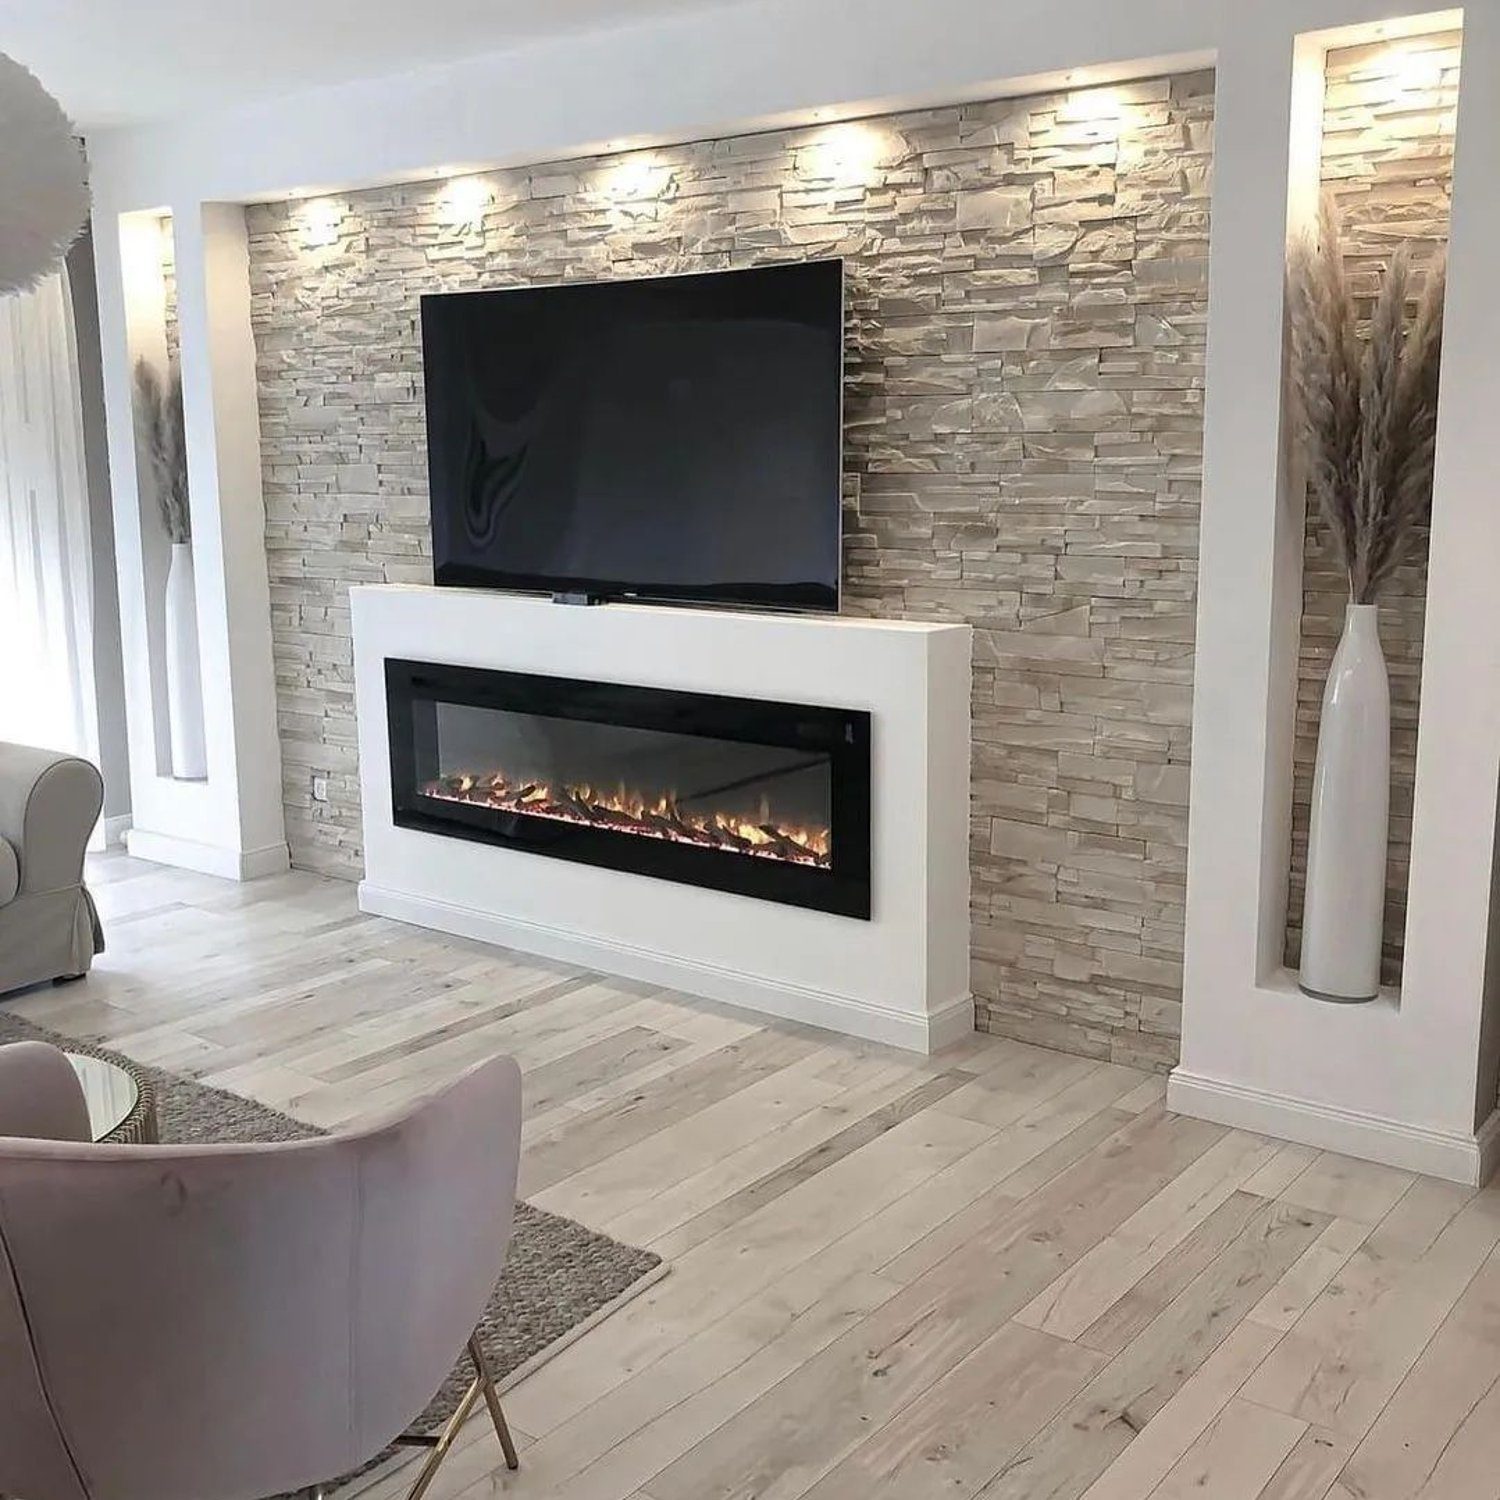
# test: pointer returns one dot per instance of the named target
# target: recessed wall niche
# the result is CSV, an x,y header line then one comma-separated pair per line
x,y
1027,300
148,270
1389,115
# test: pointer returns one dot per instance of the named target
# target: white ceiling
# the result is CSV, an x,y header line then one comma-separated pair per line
x,y
121,62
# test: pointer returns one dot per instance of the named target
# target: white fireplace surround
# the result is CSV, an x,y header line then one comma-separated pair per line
x,y
900,978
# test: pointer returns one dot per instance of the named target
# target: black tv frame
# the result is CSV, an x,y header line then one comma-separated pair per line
x,y
571,589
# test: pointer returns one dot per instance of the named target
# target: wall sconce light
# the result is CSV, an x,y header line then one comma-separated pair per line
x,y
321,218
464,203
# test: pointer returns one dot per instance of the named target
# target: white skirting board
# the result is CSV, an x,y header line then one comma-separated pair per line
x,y
207,859
944,1024
1469,1159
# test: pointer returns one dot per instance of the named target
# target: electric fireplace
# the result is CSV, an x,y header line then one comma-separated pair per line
x,y
763,799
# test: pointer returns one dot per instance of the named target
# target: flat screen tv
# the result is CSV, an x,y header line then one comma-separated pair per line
x,y
670,438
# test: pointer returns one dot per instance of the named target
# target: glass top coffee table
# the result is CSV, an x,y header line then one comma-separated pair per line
x,y
121,1102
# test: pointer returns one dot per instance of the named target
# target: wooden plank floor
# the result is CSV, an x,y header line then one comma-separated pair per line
x,y
1001,1272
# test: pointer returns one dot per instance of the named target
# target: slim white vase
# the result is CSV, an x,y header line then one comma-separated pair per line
x,y
1342,916
184,680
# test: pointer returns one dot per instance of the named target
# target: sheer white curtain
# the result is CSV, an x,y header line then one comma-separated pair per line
x,y
46,581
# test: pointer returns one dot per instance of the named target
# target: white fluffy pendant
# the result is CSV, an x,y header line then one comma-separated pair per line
x,y
44,196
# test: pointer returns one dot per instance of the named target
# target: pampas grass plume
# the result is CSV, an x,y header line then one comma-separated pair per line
x,y
1365,416
161,446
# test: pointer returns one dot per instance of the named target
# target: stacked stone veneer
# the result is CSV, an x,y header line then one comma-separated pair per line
x,y
1388,123
1026,310
169,288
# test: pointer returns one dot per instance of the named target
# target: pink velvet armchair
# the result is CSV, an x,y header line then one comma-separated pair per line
x,y
231,1322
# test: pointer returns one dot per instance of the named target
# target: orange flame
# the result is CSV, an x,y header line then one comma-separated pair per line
x,y
623,811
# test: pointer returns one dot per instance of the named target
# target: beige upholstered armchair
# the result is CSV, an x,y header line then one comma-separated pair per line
x,y
229,1322
49,804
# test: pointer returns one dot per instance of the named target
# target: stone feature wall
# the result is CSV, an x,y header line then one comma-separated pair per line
x,y
1388,125
169,288
1026,310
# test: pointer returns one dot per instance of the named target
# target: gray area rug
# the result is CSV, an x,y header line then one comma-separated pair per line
x,y
559,1277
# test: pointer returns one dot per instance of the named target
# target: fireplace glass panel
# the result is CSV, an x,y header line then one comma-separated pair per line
x,y
755,797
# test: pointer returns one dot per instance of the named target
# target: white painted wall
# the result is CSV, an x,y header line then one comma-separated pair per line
x,y
1402,1080
902,977
109,674
222,416
682,77
229,824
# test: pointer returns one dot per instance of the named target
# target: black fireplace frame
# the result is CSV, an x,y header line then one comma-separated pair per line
x,y
413,687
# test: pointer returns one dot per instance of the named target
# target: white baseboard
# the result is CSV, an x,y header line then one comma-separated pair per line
x,y
939,1028
115,829
207,859
1468,1159
269,859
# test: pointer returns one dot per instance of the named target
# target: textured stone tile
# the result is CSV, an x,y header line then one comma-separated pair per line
x,y
1025,339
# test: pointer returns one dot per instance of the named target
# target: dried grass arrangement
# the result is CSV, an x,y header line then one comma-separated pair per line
x,y
1366,420
161,444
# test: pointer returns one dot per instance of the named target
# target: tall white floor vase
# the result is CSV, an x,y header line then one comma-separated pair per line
x,y
1343,912
184,680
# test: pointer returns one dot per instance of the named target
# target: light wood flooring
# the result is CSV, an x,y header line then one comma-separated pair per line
x,y
1001,1272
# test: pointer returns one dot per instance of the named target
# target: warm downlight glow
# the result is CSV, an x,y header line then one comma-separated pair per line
x,y
321,218
1096,104
1413,69
634,177
852,152
464,203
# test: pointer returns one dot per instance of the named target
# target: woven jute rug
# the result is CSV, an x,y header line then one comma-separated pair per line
x,y
559,1278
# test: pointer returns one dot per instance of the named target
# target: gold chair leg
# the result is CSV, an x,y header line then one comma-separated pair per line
x,y
441,1443
482,1384
492,1400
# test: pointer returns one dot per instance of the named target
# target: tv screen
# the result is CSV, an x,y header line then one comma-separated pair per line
x,y
672,438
